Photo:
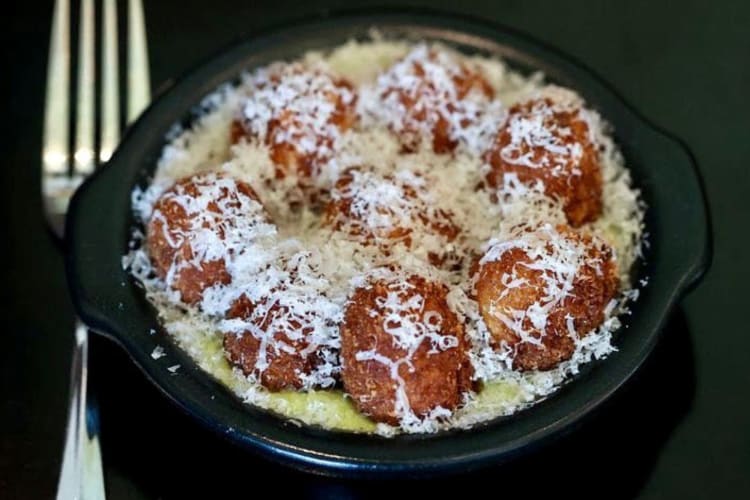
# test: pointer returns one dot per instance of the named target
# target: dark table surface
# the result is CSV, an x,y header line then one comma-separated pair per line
x,y
680,430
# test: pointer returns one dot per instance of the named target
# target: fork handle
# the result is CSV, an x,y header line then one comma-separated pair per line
x,y
81,476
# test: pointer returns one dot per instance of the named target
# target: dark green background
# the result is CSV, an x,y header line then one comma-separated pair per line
x,y
680,430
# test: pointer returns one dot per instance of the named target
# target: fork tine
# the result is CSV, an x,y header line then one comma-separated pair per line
x,y
83,156
56,133
139,86
110,117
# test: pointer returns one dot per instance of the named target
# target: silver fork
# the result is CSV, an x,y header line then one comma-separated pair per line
x,y
63,170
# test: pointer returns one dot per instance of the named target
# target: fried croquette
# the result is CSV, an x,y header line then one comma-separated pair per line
x,y
187,231
543,140
403,350
298,113
541,290
388,210
278,359
430,94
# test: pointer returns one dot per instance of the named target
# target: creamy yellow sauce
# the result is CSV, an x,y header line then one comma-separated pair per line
x,y
325,408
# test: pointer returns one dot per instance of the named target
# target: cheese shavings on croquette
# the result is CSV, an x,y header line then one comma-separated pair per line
x,y
433,93
198,226
300,113
403,352
388,210
541,289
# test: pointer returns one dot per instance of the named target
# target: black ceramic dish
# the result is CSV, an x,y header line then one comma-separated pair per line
x,y
108,300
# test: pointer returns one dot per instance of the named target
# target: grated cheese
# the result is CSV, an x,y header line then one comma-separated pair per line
x,y
306,270
158,352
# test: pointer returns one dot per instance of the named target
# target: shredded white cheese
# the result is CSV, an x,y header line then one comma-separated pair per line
x,y
293,264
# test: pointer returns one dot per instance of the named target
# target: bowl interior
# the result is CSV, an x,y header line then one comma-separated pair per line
x,y
111,302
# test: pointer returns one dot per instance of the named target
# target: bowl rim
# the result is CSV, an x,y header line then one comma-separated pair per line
x,y
314,450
